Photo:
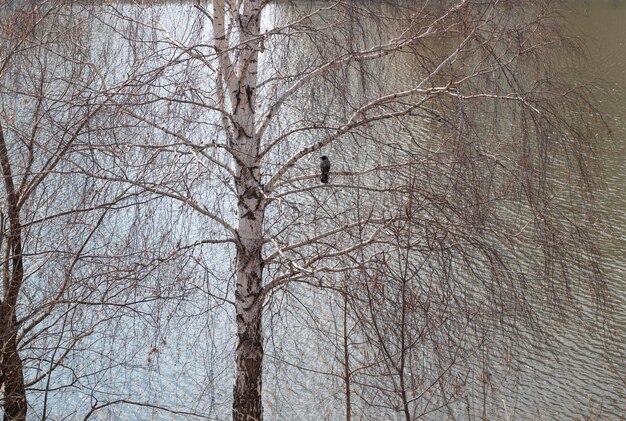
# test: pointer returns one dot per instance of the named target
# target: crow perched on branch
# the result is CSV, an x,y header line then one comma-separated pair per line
x,y
325,168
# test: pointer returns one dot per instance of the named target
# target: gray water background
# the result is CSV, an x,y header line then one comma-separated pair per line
x,y
583,377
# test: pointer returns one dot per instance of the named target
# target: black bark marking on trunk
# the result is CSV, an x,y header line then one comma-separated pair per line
x,y
249,215
250,93
237,100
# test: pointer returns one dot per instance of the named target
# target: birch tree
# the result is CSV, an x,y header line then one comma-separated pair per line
x,y
243,99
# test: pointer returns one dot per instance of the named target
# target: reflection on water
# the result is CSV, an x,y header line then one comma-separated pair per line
x,y
586,375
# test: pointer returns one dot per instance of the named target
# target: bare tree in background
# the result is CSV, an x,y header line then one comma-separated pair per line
x,y
68,268
48,218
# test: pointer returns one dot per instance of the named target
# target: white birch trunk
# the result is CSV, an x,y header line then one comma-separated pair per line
x,y
239,80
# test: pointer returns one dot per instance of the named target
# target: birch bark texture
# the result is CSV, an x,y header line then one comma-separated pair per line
x,y
237,82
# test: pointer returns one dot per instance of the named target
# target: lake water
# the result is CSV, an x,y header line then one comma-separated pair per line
x,y
578,373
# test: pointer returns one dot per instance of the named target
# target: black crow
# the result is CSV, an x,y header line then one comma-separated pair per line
x,y
325,168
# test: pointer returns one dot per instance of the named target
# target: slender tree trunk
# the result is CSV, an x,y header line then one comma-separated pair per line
x,y
247,403
403,351
346,357
241,85
11,368
249,274
12,372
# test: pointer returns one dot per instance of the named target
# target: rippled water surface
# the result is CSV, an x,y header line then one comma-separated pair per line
x,y
582,375
587,376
